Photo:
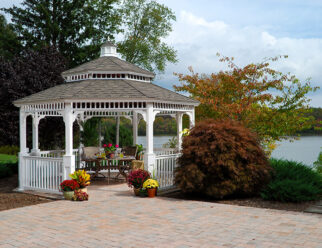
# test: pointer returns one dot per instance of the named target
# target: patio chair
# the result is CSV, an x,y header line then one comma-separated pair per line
x,y
130,151
88,156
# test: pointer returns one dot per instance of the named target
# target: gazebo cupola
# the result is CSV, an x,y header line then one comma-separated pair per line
x,y
104,87
108,66
108,49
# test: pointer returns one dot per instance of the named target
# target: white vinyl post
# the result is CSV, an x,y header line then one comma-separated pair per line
x,y
149,156
135,128
192,118
117,130
68,158
23,147
179,129
35,142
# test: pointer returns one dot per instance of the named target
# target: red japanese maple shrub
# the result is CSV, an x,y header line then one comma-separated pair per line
x,y
222,158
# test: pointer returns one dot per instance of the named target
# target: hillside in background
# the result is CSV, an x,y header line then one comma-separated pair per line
x,y
316,129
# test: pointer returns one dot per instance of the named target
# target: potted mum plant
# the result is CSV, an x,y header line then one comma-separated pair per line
x,y
136,179
151,185
68,187
82,178
110,149
80,196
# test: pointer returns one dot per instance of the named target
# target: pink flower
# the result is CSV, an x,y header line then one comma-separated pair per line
x,y
110,145
117,146
104,145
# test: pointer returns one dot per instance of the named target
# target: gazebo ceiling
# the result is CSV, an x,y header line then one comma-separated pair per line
x,y
118,89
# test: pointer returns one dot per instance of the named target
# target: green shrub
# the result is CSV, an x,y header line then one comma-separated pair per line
x,y
11,150
318,164
5,171
221,158
292,182
5,158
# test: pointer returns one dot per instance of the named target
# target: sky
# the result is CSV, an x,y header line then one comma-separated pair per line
x,y
249,31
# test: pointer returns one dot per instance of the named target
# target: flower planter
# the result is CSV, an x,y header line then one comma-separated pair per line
x,y
109,155
83,190
152,192
136,192
68,195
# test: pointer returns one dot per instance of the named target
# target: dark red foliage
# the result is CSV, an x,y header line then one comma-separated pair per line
x,y
136,178
69,185
28,73
221,158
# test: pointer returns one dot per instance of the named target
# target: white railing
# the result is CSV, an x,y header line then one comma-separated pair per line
x,y
42,173
56,153
165,151
164,169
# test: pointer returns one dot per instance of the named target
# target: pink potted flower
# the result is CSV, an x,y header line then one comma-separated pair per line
x,y
109,150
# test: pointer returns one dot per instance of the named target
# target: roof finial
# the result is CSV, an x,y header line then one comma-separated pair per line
x,y
108,49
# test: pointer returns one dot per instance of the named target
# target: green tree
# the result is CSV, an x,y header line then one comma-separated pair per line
x,y
90,135
9,43
76,27
145,23
109,130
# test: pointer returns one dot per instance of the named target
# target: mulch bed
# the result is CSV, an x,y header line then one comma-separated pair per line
x,y
256,202
10,199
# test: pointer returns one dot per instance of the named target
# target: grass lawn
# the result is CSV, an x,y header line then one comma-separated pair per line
x,y
7,158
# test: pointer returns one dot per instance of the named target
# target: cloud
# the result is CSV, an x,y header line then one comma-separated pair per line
x,y
198,40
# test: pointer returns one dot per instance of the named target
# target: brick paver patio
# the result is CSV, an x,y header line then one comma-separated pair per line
x,y
114,218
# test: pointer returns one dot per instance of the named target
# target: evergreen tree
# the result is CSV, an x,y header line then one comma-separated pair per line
x,y
9,43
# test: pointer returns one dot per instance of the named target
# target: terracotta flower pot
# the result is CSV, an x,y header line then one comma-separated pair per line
x,y
68,195
152,192
136,191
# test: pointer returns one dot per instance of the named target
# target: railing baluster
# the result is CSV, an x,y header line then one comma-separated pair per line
x,y
42,173
165,166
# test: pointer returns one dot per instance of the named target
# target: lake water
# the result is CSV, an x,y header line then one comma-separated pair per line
x,y
305,150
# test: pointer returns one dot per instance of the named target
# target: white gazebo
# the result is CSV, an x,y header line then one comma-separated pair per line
x,y
105,87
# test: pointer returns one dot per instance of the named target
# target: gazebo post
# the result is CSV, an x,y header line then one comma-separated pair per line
x,y
35,142
117,130
192,119
179,129
135,127
68,158
191,115
23,146
149,156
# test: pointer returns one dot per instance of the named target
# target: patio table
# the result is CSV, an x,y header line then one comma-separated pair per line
x,y
122,164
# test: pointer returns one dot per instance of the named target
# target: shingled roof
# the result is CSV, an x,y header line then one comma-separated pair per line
x,y
119,89
108,63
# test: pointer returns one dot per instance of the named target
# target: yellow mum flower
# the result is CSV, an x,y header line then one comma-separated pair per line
x,y
150,183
